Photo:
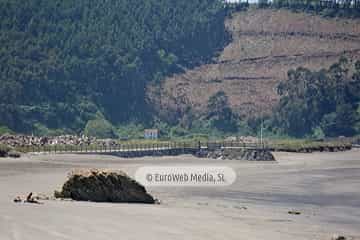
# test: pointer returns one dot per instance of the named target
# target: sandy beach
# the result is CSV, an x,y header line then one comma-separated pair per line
x,y
323,187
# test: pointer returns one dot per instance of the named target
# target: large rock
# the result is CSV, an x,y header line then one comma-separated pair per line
x,y
103,186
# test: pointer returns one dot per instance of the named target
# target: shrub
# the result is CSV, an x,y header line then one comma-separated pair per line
x,y
4,150
220,114
5,130
329,12
177,131
131,131
99,128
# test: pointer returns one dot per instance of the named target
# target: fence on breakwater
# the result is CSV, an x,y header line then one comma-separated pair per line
x,y
148,148
131,149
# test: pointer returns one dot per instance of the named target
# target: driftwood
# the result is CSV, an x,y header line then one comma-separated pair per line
x,y
30,198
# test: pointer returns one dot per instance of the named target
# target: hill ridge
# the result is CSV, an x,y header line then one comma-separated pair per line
x,y
265,45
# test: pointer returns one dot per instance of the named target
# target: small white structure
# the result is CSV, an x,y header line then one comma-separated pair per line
x,y
151,133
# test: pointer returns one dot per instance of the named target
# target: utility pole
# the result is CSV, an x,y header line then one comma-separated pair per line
x,y
261,132
262,123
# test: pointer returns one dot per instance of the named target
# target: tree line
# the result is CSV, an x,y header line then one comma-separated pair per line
x,y
319,103
327,8
313,3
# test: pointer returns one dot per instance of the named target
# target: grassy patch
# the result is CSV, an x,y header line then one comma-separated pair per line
x,y
300,145
5,130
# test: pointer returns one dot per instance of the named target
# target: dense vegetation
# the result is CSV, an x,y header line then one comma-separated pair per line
x,y
320,103
83,66
327,8
220,114
65,62
99,128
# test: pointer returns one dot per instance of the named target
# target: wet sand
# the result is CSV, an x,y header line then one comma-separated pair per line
x,y
324,187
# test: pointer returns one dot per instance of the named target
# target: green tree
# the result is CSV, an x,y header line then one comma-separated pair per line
x,y
325,100
99,128
341,122
57,54
220,113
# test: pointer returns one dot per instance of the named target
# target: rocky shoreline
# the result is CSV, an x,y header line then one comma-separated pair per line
x,y
310,149
238,154
27,140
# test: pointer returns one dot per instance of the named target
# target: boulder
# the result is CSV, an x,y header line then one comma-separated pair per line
x,y
103,186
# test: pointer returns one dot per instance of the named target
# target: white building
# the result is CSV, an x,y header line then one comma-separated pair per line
x,y
151,133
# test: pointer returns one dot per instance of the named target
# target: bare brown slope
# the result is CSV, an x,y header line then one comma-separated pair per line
x,y
266,44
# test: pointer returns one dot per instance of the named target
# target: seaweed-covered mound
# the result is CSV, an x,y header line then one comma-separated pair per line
x,y
103,186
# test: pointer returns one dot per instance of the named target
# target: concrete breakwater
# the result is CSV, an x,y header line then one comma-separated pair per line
x,y
153,152
224,154
226,149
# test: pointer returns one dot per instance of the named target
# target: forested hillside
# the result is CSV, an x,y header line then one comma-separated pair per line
x,y
111,68
65,62
266,44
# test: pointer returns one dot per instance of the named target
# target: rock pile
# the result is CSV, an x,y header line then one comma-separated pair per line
x,y
238,154
257,155
243,139
248,139
103,186
25,140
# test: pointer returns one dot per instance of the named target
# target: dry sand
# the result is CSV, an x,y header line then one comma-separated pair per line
x,y
324,187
